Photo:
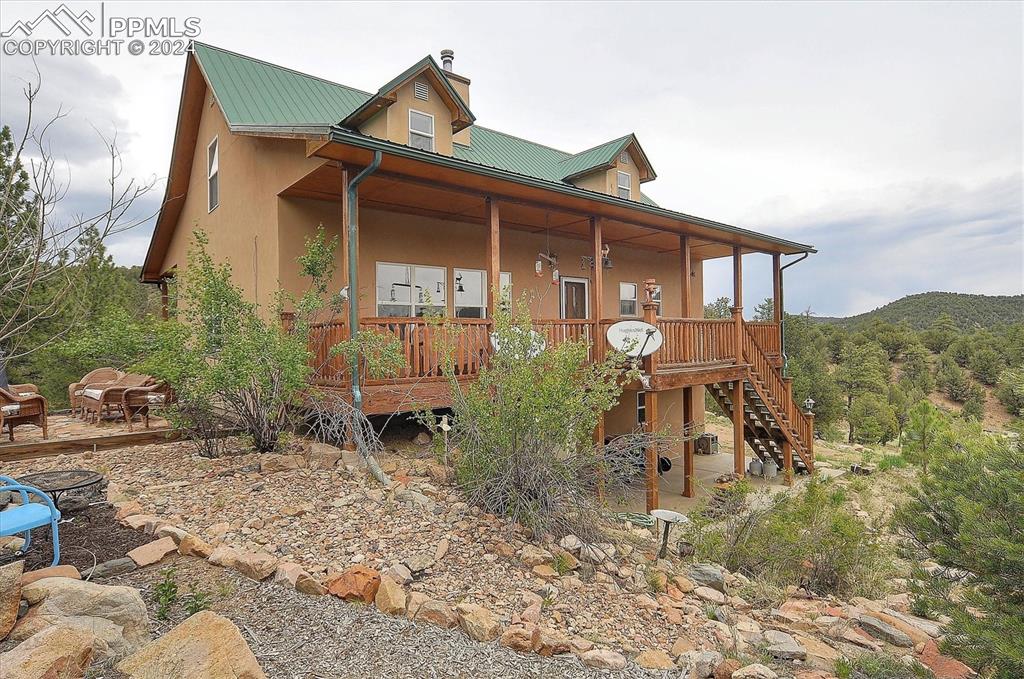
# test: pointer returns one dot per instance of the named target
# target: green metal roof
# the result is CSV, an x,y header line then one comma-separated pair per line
x,y
256,94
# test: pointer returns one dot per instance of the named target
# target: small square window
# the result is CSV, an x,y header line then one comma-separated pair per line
x,y
641,407
627,299
625,184
421,130
624,157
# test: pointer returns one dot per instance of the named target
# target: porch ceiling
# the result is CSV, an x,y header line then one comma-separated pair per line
x,y
409,195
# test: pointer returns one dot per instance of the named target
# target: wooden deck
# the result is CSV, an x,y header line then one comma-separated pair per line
x,y
71,435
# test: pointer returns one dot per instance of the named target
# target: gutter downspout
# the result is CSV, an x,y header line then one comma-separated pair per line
x,y
782,310
353,271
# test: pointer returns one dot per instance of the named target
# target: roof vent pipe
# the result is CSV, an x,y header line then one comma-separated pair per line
x,y
447,57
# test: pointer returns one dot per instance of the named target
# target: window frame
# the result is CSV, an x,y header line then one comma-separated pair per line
x,y
641,408
213,175
635,300
414,306
656,297
433,130
628,188
456,270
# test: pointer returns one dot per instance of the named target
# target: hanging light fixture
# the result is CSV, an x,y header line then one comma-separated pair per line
x,y
458,284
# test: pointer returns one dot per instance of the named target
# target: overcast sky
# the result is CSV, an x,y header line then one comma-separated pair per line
x,y
887,135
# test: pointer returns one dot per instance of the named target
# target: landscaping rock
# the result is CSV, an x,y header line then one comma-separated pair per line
x,y
683,584
544,571
50,572
292,575
783,646
10,596
270,464
205,645
400,573
680,646
819,654
224,556
755,671
438,613
413,603
478,622
884,631
419,563
707,574
655,659
357,582
522,638
171,531
726,668
57,652
551,643
390,597
256,565
531,556
708,594
699,664
127,509
110,568
152,552
570,543
604,659
942,666
116,614
192,545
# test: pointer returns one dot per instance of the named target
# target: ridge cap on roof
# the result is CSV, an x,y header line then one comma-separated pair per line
x,y
280,67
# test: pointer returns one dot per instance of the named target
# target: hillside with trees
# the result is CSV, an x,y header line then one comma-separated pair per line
x,y
918,311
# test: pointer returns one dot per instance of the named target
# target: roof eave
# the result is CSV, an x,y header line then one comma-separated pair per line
x,y
341,135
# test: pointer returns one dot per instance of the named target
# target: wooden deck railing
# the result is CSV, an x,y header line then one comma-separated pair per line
x,y
688,342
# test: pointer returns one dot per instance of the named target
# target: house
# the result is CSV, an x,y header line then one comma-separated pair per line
x,y
441,209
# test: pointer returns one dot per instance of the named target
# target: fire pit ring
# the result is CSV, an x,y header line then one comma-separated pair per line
x,y
57,483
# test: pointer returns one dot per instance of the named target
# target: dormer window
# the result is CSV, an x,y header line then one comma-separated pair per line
x,y
625,184
421,130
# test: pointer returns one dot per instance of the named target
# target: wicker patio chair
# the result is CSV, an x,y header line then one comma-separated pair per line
x,y
92,379
139,401
108,395
22,407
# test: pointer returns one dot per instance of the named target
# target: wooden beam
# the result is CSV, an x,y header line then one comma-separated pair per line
x,y
493,255
688,443
737,277
777,287
738,454
597,285
686,287
15,452
651,458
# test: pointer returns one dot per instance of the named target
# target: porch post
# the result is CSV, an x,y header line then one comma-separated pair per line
x,y
688,443
738,414
737,296
777,287
686,286
651,409
596,309
493,255
164,299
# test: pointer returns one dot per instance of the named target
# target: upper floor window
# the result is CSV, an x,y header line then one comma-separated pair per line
x,y
625,184
421,130
212,174
627,299
624,157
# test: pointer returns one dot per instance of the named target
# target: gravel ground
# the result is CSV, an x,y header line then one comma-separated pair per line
x,y
297,636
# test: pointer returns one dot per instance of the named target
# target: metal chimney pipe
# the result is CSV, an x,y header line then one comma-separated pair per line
x,y
447,57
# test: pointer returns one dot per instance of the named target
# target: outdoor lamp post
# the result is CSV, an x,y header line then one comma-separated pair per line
x,y
809,405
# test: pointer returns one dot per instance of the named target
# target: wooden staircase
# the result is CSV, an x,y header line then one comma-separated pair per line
x,y
772,421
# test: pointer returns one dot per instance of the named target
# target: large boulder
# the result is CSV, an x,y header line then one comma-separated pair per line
x,y
116,614
205,645
882,630
358,582
50,572
707,574
10,596
56,652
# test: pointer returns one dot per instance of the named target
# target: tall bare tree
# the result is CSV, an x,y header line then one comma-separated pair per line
x,y
42,247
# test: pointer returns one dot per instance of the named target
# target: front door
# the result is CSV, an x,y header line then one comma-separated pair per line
x,y
575,300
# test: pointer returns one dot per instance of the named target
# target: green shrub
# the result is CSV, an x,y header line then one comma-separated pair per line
x,y
878,666
806,538
1010,390
892,462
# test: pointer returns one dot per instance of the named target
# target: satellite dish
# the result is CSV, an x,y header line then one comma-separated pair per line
x,y
537,343
635,338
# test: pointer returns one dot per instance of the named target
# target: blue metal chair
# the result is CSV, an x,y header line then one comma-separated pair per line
x,y
28,515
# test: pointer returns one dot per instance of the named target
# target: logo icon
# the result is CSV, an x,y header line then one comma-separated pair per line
x,y
63,18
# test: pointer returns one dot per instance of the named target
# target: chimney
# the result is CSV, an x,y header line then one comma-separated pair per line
x,y
460,84
447,57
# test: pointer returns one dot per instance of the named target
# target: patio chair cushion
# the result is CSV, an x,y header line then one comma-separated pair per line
x,y
12,409
93,393
23,517
79,392
26,393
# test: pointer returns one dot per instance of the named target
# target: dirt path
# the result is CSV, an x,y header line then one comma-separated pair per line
x,y
301,637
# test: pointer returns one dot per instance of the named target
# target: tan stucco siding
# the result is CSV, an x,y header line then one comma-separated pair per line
x,y
607,181
242,229
464,137
622,418
393,122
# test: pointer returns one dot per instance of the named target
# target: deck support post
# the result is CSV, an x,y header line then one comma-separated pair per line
x,y
688,441
651,403
738,414
493,255
787,461
776,288
164,300
597,286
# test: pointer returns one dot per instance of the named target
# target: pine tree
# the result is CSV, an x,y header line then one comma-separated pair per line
x,y
864,369
924,429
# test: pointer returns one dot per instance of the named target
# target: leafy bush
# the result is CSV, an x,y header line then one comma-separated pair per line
x,y
966,516
525,429
892,462
878,666
807,538
1010,390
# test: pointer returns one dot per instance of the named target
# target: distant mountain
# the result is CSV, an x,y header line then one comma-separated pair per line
x,y
967,311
